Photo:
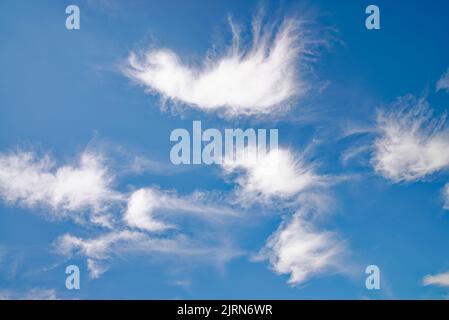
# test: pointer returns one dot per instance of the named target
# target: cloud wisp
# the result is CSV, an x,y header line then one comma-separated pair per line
x,y
251,80
440,279
443,82
412,144
146,203
32,294
101,250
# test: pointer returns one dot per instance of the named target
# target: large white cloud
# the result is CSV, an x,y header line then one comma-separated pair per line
x,y
32,181
243,81
412,144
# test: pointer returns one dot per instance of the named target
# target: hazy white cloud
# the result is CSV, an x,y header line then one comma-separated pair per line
x,y
32,294
279,173
299,249
254,79
440,279
145,203
101,249
353,154
97,249
446,196
443,82
32,181
412,144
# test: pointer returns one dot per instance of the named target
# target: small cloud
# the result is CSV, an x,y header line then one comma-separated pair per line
x,y
446,196
299,249
279,173
440,280
412,143
141,206
443,82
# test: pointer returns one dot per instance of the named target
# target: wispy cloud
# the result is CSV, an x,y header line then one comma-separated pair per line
x,y
443,82
440,279
279,173
283,178
413,143
85,191
32,294
144,204
31,181
248,79
300,249
101,250
446,196
140,211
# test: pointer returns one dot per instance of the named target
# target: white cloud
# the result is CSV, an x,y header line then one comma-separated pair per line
x,y
140,209
101,249
96,268
279,173
32,294
443,82
299,249
256,80
412,143
32,181
446,196
84,191
441,280
98,249
145,203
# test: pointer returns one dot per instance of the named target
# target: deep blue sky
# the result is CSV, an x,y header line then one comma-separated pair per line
x,y
60,90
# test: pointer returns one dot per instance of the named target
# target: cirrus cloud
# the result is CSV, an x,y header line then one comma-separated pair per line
x,y
85,185
277,174
443,82
250,81
440,279
299,249
412,144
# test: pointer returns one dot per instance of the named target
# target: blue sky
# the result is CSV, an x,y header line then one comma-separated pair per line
x,y
364,149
